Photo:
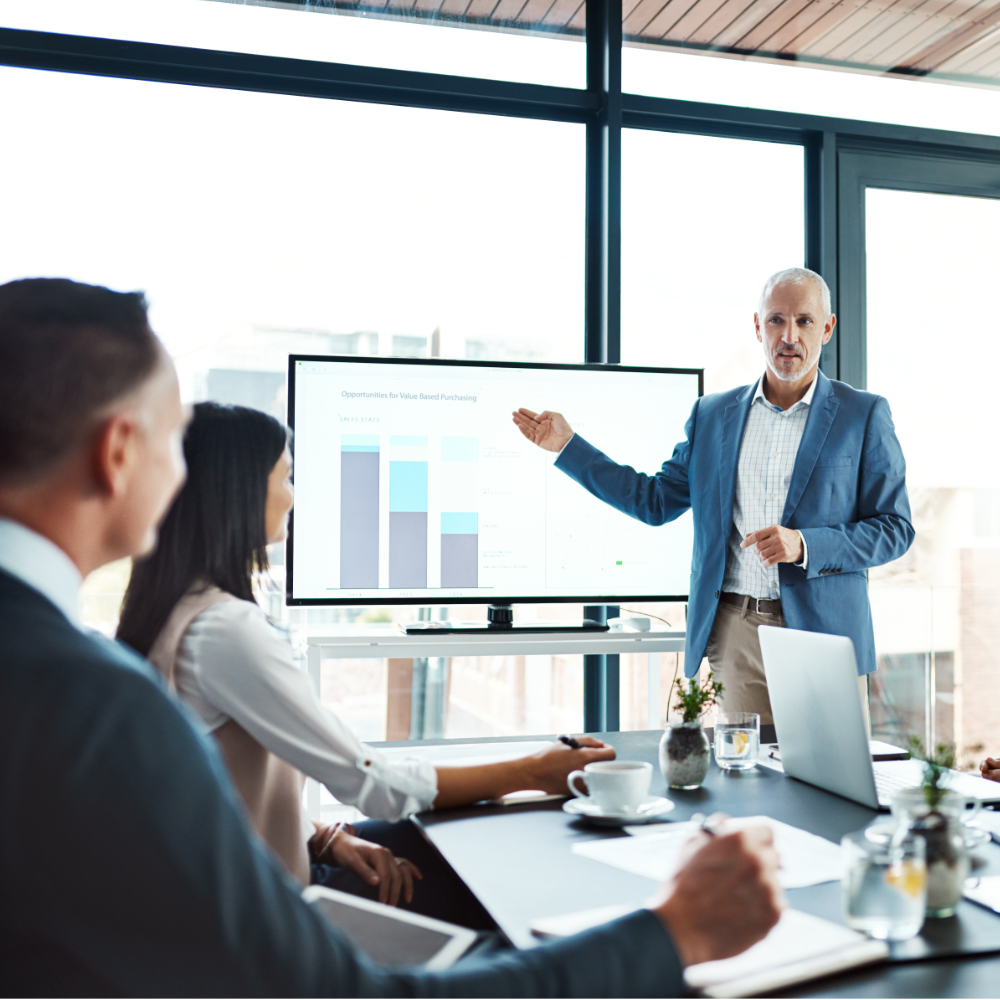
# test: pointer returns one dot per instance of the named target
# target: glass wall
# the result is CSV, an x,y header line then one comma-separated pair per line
x,y
932,262
705,221
526,42
261,225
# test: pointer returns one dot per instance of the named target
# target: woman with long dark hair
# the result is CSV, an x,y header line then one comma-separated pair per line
x,y
190,608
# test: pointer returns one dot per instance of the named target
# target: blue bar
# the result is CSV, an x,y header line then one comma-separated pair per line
x,y
459,449
459,524
349,442
408,487
408,441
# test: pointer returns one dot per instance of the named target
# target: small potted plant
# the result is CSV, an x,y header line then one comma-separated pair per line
x,y
685,752
935,812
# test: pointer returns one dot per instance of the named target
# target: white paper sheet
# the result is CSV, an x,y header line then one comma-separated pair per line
x,y
652,852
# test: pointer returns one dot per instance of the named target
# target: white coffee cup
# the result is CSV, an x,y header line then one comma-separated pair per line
x,y
616,786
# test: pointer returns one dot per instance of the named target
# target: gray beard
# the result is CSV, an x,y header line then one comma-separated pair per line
x,y
788,376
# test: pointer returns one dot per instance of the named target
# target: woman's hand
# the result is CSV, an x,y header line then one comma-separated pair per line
x,y
378,866
549,769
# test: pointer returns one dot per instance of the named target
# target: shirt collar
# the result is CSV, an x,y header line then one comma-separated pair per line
x,y
806,400
41,564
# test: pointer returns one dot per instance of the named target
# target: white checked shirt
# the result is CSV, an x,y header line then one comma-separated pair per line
x,y
767,456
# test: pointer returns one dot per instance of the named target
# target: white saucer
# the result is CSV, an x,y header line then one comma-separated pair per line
x,y
651,810
974,836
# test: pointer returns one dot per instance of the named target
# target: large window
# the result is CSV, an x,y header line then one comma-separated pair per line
x,y
932,262
705,221
261,225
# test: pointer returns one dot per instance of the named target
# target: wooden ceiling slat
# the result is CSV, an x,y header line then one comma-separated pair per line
x,y
728,15
758,36
426,7
853,22
976,63
729,34
481,9
991,71
637,20
941,52
661,25
794,35
865,46
579,22
508,11
694,19
534,11
968,60
925,25
561,12
455,8
822,26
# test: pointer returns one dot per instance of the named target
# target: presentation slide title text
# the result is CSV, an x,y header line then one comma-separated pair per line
x,y
408,395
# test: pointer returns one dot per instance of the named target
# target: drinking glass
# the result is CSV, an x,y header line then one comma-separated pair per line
x,y
885,885
737,740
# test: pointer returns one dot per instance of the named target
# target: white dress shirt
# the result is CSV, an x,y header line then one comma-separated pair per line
x,y
767,457
232,663
41,564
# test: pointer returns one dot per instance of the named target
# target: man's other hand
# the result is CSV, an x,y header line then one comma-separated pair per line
x,y
725,897
775,545
990,768
548,430
549,769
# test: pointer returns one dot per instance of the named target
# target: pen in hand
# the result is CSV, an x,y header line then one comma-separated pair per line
x,y
570,742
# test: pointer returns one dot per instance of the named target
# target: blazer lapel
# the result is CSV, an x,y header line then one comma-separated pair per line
x,y
733,423
821,414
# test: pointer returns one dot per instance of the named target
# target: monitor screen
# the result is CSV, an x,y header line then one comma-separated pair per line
x,y
412,484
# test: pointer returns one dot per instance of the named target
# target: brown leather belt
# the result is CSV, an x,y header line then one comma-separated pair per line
x,y
757,604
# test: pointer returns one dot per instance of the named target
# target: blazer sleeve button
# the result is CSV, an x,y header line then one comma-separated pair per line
x,y
716,595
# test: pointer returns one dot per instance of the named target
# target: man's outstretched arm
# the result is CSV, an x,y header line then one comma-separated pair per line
x,y
652,499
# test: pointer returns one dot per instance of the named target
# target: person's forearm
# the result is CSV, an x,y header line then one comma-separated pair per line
x,y
459,786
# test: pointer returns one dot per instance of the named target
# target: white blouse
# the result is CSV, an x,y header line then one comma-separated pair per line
x,y
232,663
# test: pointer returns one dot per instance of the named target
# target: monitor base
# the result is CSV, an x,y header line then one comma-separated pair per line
x,y
512,628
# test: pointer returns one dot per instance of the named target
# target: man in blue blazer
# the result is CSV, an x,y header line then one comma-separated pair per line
x,y
797,486
127,862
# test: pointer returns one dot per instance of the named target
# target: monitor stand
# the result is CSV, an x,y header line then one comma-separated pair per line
x,y
500,621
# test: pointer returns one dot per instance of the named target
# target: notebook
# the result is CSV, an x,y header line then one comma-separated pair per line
x,y
799,948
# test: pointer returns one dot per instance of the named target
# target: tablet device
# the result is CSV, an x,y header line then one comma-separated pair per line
x,y
390,935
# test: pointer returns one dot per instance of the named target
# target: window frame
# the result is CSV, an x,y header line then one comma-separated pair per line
x,y
838,151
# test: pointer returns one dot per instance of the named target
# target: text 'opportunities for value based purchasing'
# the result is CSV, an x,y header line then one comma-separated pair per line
x,y
408,395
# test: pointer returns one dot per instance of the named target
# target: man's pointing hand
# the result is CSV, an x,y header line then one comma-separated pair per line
x,y
548,430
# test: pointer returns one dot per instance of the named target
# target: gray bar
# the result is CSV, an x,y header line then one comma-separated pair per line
x,y
359,520
460,560
408,549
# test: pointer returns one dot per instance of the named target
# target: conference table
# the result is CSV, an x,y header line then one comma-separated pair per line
x,y
517,860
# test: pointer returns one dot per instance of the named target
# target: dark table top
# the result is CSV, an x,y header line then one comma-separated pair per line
x,y
517,860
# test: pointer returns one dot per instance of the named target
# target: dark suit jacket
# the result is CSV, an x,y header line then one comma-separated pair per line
x,y
847,496
127,868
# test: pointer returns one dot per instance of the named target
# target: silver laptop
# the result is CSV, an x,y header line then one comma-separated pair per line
x,y
812,680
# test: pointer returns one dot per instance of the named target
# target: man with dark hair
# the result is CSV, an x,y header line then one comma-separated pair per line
x,y
164,889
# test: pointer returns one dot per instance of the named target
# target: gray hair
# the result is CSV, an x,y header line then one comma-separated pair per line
x,y
796,276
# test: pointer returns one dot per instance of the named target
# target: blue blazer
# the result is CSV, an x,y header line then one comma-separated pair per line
x,y
847,496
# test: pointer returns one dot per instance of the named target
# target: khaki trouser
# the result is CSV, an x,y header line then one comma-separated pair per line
x,y
734,655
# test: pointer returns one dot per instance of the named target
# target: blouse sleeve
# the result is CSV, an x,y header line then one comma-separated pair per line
x,y
244,667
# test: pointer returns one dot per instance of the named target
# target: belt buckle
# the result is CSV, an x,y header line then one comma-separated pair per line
x,y
757,610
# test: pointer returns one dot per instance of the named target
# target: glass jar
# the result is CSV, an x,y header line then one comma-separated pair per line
x,y
685,754
942,831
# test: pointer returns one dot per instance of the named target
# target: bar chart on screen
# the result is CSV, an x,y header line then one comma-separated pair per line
x,y
413,482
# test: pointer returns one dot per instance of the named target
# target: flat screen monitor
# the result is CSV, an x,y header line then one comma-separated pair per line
x,y
412,484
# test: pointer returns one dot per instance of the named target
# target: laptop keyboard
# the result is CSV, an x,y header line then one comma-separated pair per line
x,y
888,783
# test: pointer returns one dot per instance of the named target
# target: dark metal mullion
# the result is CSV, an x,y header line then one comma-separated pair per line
x,y
602,344
173,64
821,228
